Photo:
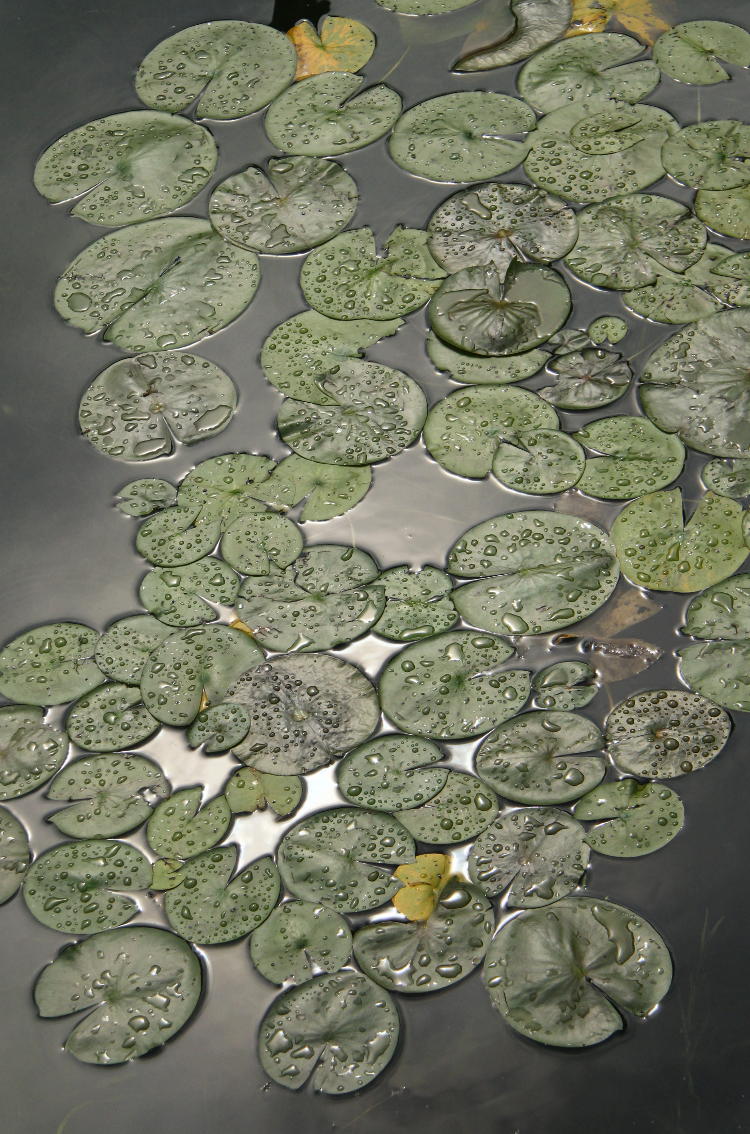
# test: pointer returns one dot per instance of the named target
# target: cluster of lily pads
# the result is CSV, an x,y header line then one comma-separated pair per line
x,y
240,612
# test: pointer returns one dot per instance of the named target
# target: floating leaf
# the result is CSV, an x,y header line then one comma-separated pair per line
x,y
339,45
257,542
247,791
660,734
341,857
391,772
577,69
110,717
564,685
718,670
728,212
227,487
182,827
177,595
539,462
722,611
728,478
49,664
344,1025
299,203
640,818
219,728
177,536
77,887
211,907
452,686
603,957
233,68
709,155
113,794
329,490
30,751
690,53
471,368
305,710
123,648
587,379
139,986
607,329
324,116
459,811
638,458
702,290
537,854
183,283
298,940
417,604
15,854
144,497
462,136
538,22
657,549
423,7
423,881
637,16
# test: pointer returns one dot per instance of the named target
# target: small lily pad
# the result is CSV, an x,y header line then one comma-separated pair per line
x,y
639,818
587,379
298,940
596,64
607,329
123,648
328,490
538,22
15,854
665,733
470,368
30,751
142,498
718,670
226,488
211,906
417,604
257,542
113,794
391,772
690,52
219,728
728,478
177,536
182,826
709,155
638,458
110,717
726,212
247,791
539,462
50,664
564,685
722,611
325,115
180,596
462,808
339,44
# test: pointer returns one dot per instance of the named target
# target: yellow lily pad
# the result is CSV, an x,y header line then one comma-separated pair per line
x,y
422,880
640,17
338,45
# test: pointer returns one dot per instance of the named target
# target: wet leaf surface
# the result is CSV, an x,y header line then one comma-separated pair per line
x,y
391,772
327,490
30,751
247,791
471,368
564,685
690,53
537,854
540,463
718,670
417,604
638,458
15,854
587,379
728,478
665,733
181,596
123,648
640,818
111,717
339,44
49,664
112,794
538,22
298,940
709,155
213,905
596,64
328,114
462,808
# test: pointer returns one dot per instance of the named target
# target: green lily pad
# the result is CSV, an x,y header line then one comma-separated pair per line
x,y
299,203
600,63
110,717
538,22
587,379
391,772
719,671
78,887
323,600
183,283
452,686
182,826
137,408
178,595
15,854
227,487
709,155
423,7
341,1029
219,728
536,571
564,685
462,808
142,498
465,136
722,611
465,430
189,664
725,212
212,905
542,757
539,462
611,130
701,291
113,794
257,542
690,52
233,68
626,242
247,791
30,751
309,346
417,604
50,664
638,458
324,115
728,478
305,709
123,648
328,490
139,987
299,939
484,312
470,368
537,854
602,958
341,858
657,549
639,818
665,733
177,536
607,329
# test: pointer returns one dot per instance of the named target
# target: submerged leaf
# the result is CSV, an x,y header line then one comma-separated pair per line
x,y
324,115
538,854
471,368
299,939
587,379
340,44
575,69
690,52
538,22
665,733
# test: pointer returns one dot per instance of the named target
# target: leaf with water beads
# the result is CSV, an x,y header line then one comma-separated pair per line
x,y
339,1029
123,648
232,67
718,670
536,571
539,462
30,751
725,212
177,536
704,288
324,599
574,70
142,498
709,155
538,22
470,368
226,487
211,907
639,818
299,203
49,664
137,408
113,794
256,543
564,685
391,772
299,939
657,549
342,857
182,826
587,379
127,167
602,957
453,686
339,45
139,986
110,717
183,283
218,728
78,887
417,604
324,115
329,490
305,710
462,808
722,611
247,791
181,596
542,757
607,329
15,854
690,52
728,478
537,854
466,136
638,458
665,733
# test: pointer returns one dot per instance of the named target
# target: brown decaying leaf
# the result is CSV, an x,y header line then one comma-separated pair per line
x,y
339,45
642,18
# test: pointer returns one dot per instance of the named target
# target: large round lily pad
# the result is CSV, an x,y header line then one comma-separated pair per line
x,y
227,487
325,491
596,64
212,905
690,52
539,462
721,611
706,287
15,854
30,751
325,115
177,536
727,211
391,772
665,733
181,596
50,664
638,818
637,457
298,939
728,478
493,370
112,794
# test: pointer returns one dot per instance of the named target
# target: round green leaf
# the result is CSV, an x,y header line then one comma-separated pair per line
x,y
728,478
177,595
299,939
123,648
458,812
247,791
587,379
722,611
49,664
328,490
113,794
471,368
690,52
227,487
539,462
704,289
144,497
709,155
211,907
324,116
15,854
182,827
177,536
257,542
30,751
537,854
607,329
110,717
538,22
417,604
640,818
726,212
665,733
219,728
594,64
718,670
638,458
391,773
564,685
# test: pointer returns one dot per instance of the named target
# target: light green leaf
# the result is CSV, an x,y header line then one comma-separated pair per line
x,y
587,379
462,808
110,717
704,289
177,595
573,70
537,854
247,791
211,907
665,733
49,664
391,772
324,115
718,670
607,329
30,751
177,536
722,611
257,542
709,155
219,728
329,490
471,368
299,939
182,827
123,648
227,487
417,604
113,794
564,685
640,818
726,212
638,458
539,462
15,854
143,497
728,478
690,52
538,22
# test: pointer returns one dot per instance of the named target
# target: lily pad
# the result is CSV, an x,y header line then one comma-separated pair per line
x,y
342,858
139,986
341,1029
339,44
709,155
453,686
690,52
180,596
182,826
728,478
137,408
542,757
722,611
536,571
539,462
587,379
603,957
142,498
213,905
305,711
233,68
123,648
177,536
538,22
299,203
726,212
391,772
298,940
657,549
663,733
227,487
183,283
639,818
219,728
127,167
257,542
564,685
423,7
50,664
718,670
247,791
15,854
462,808
328,490
30,751
470,368
702,290
465,136
324,115
113,794
607,329
78,887
417,604
110,717
537,854
638,458
576,69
